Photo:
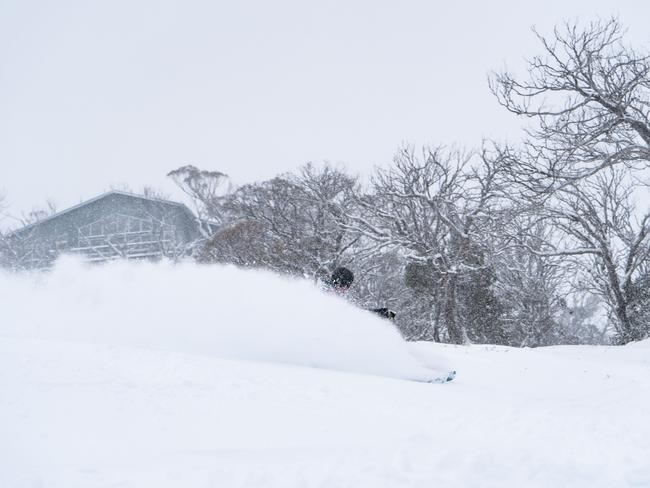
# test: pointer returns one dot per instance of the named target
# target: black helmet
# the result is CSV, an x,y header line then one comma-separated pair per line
x,y
342,278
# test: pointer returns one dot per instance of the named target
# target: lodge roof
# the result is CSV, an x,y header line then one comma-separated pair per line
x,y
100,197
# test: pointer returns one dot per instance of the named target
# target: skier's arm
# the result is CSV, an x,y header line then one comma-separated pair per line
x,y
384,312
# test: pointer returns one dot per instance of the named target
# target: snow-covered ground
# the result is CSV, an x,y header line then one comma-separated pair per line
x,y
185,376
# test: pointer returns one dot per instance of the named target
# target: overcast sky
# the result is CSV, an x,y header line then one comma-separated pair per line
x,y
94,94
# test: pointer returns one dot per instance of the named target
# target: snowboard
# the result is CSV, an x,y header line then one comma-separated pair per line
x,y
442,379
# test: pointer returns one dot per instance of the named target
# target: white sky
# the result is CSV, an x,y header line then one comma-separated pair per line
x,y
94,94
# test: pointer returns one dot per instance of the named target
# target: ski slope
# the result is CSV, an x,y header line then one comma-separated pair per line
x,y
165,376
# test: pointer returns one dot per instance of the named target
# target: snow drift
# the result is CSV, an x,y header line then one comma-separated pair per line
x,y
219,311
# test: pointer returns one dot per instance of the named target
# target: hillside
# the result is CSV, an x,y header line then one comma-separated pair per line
x,y
155,375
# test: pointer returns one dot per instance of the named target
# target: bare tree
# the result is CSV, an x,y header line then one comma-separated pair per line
x,y
207,190
436,210
37,214
20,252
293,223
605,239
532,285
589,98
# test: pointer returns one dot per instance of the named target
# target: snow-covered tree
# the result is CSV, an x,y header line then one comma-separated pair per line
x,y
601,234
588,96
293,223
437,210
532,286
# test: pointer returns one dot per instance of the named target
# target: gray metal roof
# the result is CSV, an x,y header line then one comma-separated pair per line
x,y
103,195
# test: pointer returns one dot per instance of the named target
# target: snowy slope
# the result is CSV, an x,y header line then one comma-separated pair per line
x,y
82,407
218,311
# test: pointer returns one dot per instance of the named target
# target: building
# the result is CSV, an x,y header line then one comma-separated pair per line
x,y
111,226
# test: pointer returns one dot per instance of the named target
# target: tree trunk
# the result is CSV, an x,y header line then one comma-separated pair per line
x,y
435,322
627,330
454,329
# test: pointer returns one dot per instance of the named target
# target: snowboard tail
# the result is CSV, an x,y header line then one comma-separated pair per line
x,y
441,379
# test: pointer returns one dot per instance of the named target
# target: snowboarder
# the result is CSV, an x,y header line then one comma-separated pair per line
x,y
340,283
